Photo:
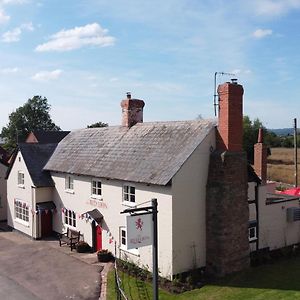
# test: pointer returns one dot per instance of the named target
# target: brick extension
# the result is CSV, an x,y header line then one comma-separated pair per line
x,y
227,212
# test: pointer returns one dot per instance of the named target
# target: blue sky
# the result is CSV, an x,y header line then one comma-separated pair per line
x,y
85,55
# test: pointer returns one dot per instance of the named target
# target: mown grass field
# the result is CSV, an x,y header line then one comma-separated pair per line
x,y
281,165
273,281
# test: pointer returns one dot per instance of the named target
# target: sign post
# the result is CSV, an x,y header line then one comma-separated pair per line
x,y
140,235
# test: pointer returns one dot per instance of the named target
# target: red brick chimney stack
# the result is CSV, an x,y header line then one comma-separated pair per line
x,y
260,157
230,129
132,111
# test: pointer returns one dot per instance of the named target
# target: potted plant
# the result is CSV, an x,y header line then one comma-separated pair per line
x,y
104,255
83,247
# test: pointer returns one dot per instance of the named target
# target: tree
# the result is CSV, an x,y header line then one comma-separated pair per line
x,y
33,115
98,124
250,135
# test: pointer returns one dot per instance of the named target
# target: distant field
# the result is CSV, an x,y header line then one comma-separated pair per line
x,y
281,165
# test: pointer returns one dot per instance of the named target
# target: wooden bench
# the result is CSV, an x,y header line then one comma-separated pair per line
x,y
70,238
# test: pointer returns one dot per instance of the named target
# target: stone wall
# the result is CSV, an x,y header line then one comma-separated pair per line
x,y
227,214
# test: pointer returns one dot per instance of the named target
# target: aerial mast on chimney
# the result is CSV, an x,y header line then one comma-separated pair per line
x,y
215,88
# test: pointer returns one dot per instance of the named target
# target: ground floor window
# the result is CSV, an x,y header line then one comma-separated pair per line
x,y
21,211
70,217
252,233
123,242
123,238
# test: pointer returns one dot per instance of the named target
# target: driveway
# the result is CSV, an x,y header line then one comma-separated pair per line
x,y
32,270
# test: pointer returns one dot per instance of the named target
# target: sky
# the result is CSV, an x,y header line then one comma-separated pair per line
x,y
84,55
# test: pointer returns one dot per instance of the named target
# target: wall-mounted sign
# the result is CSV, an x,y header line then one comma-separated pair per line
x,y
139,231
96,203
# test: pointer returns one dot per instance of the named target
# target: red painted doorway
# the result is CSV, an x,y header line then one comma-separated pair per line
x,y
46,223
98,237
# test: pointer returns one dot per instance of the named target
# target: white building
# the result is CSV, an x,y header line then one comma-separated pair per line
x,y
85,181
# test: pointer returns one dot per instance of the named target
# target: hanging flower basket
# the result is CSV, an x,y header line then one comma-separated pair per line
x,y
104,255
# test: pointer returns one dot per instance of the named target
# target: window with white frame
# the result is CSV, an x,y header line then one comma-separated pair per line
x,y
123,243
69,183
96,188
21,211
70,217
252,233
21,178
129,193
123,238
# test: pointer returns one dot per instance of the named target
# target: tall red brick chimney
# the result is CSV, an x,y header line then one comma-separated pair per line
x,y
230,129
227,208
132,111
260,157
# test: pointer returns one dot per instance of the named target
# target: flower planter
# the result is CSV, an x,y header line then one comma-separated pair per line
x,y
104,256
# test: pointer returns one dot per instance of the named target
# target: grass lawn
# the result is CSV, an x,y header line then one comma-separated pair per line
x,y
280,280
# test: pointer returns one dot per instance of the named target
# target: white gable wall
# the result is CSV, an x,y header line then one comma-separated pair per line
x,y
81,201
3,195
189,205
25,194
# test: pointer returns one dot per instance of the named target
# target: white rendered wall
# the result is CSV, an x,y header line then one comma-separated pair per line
x,y
189,209
251,197
25,194
275,231
110,207
3,193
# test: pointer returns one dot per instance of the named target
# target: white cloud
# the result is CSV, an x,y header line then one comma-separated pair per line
x,y
88,35
9,70
27,26
11,35
47,75
4,2
275,7
261,33
14,35
3,17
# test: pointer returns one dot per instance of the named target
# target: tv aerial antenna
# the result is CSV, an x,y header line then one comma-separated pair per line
x,y
215,88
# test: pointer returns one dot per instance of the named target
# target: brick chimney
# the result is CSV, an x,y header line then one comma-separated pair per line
x,y
260,157
227,208
132,111
230,129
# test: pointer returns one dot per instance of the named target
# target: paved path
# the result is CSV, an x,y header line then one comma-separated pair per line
x,y
42,270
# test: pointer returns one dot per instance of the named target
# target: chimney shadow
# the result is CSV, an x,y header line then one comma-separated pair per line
x,y
281,275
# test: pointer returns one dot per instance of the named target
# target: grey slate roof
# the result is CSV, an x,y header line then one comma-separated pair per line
x,y
35,157
147,152
48,137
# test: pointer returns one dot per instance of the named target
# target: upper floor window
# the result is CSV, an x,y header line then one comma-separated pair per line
x,y
20,178
70,217
69,183
129,193
96,188
21,211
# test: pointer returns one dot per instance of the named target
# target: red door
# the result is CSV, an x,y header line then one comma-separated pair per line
x,y
98,238
46,220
